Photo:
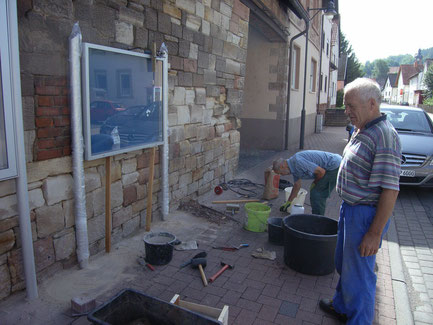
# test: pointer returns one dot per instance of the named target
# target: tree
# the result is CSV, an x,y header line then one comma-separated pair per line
x,y
368,68
380,71
354,67
428,82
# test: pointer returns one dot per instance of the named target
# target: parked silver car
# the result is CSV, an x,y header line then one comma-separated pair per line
x,y
415,129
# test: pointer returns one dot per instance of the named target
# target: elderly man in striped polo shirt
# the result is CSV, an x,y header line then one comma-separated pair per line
x,y
368,183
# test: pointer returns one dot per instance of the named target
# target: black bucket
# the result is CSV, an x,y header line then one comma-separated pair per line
x,y
309,243
275,230
159,247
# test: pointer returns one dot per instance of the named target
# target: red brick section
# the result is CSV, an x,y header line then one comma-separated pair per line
x,y
53,119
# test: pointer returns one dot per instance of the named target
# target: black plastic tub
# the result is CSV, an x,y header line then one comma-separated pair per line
x,y
275,231
159,247
309,243
134,307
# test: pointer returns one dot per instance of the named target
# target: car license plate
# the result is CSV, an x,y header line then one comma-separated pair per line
x,y
407,172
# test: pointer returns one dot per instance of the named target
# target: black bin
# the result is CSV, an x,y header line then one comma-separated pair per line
x,y
309,243
275,230
132,306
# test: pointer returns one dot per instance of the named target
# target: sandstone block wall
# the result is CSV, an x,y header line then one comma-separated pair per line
x,y
207,43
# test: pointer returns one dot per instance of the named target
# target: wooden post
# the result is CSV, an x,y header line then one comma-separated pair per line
x,y
149,189
107,204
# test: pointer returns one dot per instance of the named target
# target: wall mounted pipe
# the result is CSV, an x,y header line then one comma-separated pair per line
x,y
21,180
289,86
165,183
77,148
303,14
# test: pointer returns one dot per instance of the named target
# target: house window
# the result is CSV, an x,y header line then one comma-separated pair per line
x,y
101,79
327,47
326,84
296,63
323,43
320,82
124,83
313,73
7,100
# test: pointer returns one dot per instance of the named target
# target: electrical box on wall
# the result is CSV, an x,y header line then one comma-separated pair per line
x,y
122,101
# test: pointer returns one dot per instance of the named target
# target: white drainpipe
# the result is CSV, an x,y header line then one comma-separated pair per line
x,y
77,148
165,183
21,181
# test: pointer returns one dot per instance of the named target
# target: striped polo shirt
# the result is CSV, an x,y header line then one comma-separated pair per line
x,y
371,161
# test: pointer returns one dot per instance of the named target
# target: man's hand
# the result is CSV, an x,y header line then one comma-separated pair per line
x,y
285,206
370,244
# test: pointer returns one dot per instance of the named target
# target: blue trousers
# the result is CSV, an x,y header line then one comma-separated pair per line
x,y
356,288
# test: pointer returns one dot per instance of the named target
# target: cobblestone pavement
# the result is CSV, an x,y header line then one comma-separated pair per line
x,y
257,291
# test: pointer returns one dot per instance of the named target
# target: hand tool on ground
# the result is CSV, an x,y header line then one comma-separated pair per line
x,y
230,248
225,267
199,255
235,201
232,207
200,263
150,266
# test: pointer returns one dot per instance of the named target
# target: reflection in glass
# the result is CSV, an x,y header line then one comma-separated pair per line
x,y
125,104
3,152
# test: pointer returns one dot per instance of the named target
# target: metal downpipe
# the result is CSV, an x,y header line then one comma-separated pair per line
x,y
77,148
289,86
301,137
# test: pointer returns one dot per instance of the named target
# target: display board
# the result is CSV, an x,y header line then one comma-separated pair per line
x,y
122,101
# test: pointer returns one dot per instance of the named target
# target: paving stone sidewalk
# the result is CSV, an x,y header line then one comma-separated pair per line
x,y
258,291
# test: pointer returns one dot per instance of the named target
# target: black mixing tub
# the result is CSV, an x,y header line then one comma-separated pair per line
x,y
309,243
134,307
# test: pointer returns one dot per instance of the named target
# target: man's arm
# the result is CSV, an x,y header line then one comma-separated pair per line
x,y
319,172
371,241
295,190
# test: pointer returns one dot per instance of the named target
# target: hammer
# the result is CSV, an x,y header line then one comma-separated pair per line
x,y
200,263
225,266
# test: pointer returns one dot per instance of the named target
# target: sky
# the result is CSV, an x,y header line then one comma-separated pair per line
x,y
387,27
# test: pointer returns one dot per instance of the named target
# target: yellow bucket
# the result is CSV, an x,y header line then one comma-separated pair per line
x,y
258,214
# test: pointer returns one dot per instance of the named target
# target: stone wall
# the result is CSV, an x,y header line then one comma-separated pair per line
x,y
207,43
335,117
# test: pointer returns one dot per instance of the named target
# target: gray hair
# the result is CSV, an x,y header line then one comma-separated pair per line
x,y
365,88
278,164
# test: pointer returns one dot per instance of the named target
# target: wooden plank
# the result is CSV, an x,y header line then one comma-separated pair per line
x,y
150,189
107,204
235,201
222,315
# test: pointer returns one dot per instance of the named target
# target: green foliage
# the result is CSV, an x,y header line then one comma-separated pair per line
x,y
368,69
427,53
354,68
340,95
380,71
428,82
428,101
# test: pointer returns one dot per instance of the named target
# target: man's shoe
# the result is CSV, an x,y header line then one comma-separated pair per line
x,y
327,307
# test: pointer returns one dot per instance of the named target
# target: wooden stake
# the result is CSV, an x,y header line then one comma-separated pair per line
x,y
149,189
107,204
235,201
